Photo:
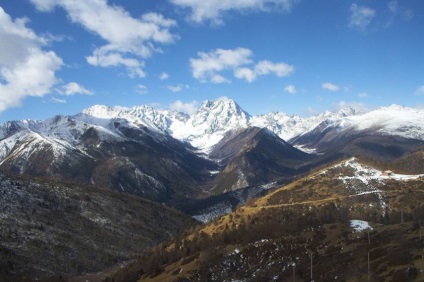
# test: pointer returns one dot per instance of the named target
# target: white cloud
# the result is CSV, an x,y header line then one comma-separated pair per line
x,y
141,89
177,88
279,69
290,89
362,95
219,79
245,73
103,58
207,67
73,88
163,76
398,10
420,91
58,100
189,108
213,10
128,40
361,16
25,68
330,86
354,105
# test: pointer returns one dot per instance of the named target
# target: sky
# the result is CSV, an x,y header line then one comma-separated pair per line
x,y
294,56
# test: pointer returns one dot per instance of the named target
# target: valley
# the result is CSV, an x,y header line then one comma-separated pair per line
x,y
138,194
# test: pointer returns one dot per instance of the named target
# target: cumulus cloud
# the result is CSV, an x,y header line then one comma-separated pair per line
x,y
74,88
177,88
128,40
189,108
208,66
420,91
245,73
26,69
213,10
361,16
163,76
290,89
279,69
141,89
330,86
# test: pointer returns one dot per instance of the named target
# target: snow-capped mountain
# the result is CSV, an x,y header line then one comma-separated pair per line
x,y
214,119
395,121
155,153
288,127
210,123
101,146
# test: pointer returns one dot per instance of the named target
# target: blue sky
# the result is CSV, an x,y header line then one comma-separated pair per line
x,y
294,56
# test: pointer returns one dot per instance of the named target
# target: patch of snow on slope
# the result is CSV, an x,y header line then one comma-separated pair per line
x,y
364,180
360,225
307,150
366,174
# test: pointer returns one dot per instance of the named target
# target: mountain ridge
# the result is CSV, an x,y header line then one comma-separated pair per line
x,y
164,155
214,118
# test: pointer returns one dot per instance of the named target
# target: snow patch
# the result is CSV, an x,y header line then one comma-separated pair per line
x,y
360,225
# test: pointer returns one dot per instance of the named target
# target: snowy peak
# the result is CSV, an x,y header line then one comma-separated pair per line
x,y
220,113
348,111
215,118
393,120
210,123
101,111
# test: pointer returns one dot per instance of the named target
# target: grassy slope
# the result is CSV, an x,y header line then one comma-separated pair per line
x,y
308,216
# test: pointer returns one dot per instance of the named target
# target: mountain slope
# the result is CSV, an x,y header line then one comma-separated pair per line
x,y
384,127
411,163
150,152
49,228
314,218
114,153
255,156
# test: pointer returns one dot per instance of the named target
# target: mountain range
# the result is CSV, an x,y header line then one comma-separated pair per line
x,y
168,156
86,178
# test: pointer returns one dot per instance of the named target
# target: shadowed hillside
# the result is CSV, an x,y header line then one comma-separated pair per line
x,y
49,228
